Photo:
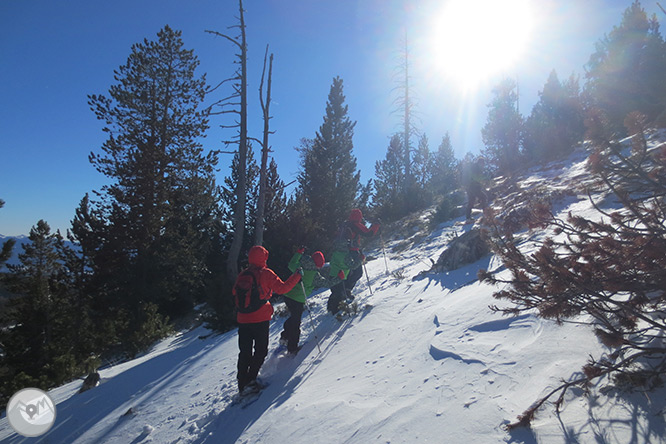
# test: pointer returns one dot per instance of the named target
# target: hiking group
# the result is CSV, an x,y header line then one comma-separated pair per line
x,y
255,286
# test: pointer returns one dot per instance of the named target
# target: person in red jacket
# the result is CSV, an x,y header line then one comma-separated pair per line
x,y
253,326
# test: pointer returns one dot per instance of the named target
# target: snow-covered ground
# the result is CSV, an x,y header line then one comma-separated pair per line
x,y
425,362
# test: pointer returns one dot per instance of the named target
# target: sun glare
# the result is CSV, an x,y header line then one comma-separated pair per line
x,y
476,39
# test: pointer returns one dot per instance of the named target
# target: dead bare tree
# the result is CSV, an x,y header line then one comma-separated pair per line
x,y
237,104
405,105
265,149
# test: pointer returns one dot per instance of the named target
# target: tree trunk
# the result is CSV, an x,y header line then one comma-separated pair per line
x,y
239,216
265,107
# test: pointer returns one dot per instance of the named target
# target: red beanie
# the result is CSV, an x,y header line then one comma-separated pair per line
x,y
355,215
318,258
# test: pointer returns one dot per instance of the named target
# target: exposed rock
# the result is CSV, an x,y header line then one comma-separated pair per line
x,y
465,249
91,381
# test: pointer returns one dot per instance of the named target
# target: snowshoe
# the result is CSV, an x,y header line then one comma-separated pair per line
x,y
251,389
249,394
293,353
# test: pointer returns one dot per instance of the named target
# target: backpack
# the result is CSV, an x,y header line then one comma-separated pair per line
x,y
344,236
247,296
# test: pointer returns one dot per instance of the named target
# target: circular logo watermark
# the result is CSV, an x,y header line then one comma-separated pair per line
x,y
31,412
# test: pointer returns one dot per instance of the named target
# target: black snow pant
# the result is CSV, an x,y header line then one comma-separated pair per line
x,y
353,278
475,192
337,295
292,326
249,362
342,291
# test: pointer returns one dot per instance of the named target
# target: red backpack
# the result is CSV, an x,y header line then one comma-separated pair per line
x,y
247,296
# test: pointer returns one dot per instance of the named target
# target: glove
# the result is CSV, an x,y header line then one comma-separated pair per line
x,y
299,273
341,275
301,250
375,228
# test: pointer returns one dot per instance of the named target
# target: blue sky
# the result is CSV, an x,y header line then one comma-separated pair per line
x,y
54,53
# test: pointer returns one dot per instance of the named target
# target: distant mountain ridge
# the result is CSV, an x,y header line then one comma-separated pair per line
x,y
18,248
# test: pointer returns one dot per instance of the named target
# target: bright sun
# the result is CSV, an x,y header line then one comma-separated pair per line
x,y
475,39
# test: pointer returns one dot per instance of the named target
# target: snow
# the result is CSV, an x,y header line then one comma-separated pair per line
x,y
424,361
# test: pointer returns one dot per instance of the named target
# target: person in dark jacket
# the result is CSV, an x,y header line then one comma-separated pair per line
x,y
472,179
348,257
253,327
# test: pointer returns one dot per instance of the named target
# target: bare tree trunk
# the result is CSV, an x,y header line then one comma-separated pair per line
x,y
241,199
407,104
265,107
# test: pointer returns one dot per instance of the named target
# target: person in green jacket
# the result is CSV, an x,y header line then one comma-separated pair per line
x,y
295,299
347,257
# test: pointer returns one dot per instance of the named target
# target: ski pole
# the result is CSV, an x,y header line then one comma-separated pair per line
x,y
367,277
311,319
384,253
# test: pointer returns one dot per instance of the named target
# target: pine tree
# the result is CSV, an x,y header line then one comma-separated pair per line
x,y
42,347
7,246
389,182
610,270
502,132
280,236
329,179
229,195
422,171
556,122
444,167
158,212
97,274
626,72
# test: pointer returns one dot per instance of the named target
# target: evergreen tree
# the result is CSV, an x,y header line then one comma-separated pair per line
x,y
279,237
422,170
276,197
364,197
444,166
158,212
389,182
556,122
329,180
229,195
626,72
7,246
607,271
221,315
502,132
98,269
42,346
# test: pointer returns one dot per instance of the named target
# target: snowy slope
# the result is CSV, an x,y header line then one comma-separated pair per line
x,y
425,362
